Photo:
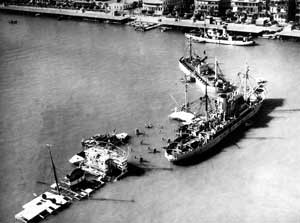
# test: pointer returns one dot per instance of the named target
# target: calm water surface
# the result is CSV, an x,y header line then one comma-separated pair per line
x,y
61,81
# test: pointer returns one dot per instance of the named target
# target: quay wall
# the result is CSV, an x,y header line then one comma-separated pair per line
x,y
66,12
289,34
188,23
161,20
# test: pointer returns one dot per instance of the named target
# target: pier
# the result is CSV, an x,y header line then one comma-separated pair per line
x,y
79,14
190,24
289,34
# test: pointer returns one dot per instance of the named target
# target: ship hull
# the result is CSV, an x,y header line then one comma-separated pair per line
x,y
199,80
200,150
220,41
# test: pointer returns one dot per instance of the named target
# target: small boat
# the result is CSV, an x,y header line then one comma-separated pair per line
x,y
269,35
212,36
208,77
165,28
182,116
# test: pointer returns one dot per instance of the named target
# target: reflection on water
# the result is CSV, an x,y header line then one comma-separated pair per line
x,y
61,81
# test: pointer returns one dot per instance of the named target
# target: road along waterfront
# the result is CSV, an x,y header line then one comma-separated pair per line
x,y
65,80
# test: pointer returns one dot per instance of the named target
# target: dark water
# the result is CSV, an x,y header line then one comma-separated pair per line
x,y
64,80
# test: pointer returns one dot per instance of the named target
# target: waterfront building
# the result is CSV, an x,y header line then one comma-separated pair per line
x,y
297,16
211,7
279,9
250,7
155,6
159,7
283,10
291,10
120,6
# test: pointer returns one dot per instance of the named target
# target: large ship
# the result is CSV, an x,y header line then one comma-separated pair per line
x,y
230,111
207,76
213,36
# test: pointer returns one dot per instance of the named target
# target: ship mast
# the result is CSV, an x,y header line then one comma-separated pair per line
x,y
216,74
54,170
245,82
185,94
206,102
190,46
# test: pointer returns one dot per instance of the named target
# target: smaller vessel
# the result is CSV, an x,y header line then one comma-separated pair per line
x,y
214,36
102,139
269,35
208,77
165,28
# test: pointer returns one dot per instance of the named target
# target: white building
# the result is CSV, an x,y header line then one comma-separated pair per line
x,y
248,6
156,6
120,6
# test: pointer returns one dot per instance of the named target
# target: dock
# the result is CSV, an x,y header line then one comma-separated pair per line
x,y
289,34
190,24
69,13
147,27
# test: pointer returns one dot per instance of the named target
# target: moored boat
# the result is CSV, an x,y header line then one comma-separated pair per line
x,y
207,77
212,36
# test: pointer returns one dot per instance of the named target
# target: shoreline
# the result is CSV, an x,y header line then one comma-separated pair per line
x,y
66,12
161,20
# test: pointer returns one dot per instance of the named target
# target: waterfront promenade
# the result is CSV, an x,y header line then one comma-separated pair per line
x,y
188,23
162,20
67,12
289,33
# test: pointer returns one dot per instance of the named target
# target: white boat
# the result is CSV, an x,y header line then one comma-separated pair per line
x,y
270,35
234,109
211,36
182,116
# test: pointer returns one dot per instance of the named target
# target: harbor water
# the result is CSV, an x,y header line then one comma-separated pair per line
x,y
61,81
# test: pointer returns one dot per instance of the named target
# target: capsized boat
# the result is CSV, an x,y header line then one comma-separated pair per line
x,y
231,111
212,36
207,77
102,139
